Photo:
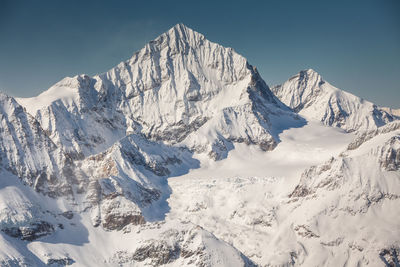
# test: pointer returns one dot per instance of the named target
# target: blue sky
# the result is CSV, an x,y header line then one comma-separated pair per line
x,y
354,45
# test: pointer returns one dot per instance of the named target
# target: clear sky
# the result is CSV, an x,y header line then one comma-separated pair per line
x,y
354,45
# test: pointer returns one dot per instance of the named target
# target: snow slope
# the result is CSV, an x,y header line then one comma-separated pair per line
x,y
340,213
241,199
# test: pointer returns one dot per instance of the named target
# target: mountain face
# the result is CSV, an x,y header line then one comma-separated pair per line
x,y
177,84
27,151
308,94
183,156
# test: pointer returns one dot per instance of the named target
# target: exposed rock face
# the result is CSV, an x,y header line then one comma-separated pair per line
x,y
188,245
311,96
158,252
117,212
390,154
68,214
30,232
60,262
390,256
303,231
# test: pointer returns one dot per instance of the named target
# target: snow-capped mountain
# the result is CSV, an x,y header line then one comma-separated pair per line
x,y
183,156
177,84
308,94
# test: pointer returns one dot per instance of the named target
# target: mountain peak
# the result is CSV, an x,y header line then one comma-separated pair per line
x,y
182,31
6,100
308,74
309,71
178,37
181,28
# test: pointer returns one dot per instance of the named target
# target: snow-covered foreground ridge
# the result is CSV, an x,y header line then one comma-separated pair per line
x,y
183,156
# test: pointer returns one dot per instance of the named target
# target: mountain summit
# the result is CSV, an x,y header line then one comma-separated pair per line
x,y
179,35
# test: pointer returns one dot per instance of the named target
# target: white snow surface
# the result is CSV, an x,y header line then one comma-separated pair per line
x,y
64,90
182,156
346,217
